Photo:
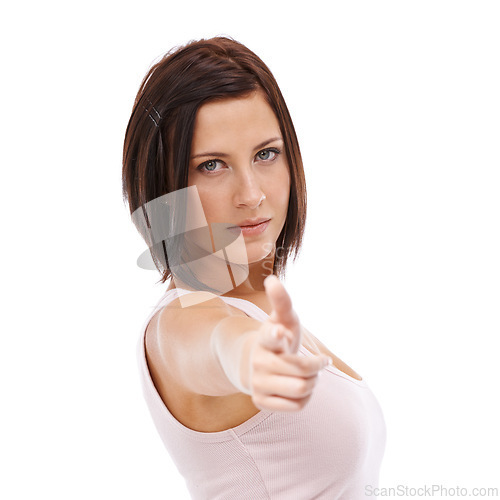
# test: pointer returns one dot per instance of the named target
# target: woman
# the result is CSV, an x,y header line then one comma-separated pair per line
x,y
241,393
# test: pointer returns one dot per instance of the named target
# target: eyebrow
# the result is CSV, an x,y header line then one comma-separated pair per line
x,y
215,153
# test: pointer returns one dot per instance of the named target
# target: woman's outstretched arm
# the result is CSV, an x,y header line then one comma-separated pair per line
x,y
216,351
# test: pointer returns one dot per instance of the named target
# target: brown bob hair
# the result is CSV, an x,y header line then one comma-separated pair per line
x,y
158,138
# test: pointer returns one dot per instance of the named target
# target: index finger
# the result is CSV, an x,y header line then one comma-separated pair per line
x,y
281,302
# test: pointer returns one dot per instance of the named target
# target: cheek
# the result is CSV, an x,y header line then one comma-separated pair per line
x,y
211,202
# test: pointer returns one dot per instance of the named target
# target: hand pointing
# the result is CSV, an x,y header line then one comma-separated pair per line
x,y
281,379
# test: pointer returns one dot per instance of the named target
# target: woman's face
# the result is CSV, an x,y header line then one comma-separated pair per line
x,y
239,168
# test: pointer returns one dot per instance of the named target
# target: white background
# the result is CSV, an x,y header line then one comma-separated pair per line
x,y
396,106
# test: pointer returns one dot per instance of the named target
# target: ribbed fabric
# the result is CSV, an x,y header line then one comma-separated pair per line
x,y
331,449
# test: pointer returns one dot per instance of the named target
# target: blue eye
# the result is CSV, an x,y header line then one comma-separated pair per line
x,y
208,166
264,154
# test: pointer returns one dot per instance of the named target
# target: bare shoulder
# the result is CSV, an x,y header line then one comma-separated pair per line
x,y
194,310
178,342
191,315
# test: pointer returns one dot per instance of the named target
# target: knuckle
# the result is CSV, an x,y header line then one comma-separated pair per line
x,y
257,399
302,386
299,362
303,365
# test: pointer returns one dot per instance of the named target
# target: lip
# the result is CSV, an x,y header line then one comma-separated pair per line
x,y
252,222
248,229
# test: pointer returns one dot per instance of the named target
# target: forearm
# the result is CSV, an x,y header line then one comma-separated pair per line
x,y
232,342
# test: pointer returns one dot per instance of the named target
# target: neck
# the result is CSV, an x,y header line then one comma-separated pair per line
x,y
254,283
257,273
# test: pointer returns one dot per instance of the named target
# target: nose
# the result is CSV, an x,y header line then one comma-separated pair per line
x,y
248,191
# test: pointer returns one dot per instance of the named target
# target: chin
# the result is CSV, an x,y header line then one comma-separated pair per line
x,y
257,252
